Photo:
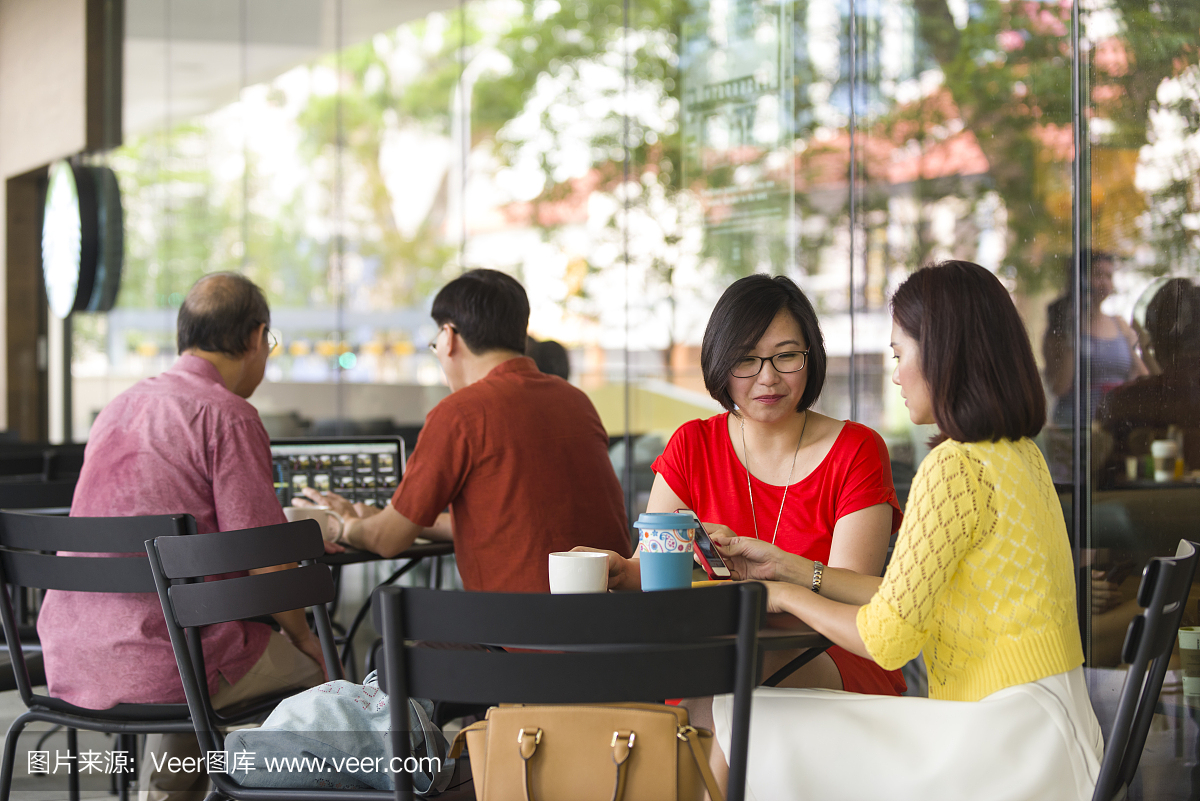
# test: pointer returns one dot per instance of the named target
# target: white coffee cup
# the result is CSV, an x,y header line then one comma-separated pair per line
x,y
322,514
1164,452
578,571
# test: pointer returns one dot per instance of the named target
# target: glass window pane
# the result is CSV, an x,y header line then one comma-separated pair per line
x,y
1141,104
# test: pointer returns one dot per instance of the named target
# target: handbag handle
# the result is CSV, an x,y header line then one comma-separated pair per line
x,y
527,744
622,744
688,734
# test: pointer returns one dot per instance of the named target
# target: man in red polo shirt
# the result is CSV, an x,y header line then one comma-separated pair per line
x,y
520,457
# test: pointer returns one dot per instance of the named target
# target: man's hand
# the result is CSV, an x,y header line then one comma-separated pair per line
x,y
623,574
337,503
750,558
310,646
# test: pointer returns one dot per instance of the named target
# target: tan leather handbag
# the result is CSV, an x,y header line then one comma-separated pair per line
x,y
600,752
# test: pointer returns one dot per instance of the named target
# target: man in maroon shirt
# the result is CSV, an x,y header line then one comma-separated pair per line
x,y
520,457
185,441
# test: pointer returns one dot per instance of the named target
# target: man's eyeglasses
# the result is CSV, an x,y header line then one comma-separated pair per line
x,y
791,361
433,342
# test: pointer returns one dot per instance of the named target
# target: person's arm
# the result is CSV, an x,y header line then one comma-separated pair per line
x,y
441,530
753,559
387,533
662,497
1137,367
295,625
1060,371
941,526
890,625
837,621
382,531
244,497
1057,350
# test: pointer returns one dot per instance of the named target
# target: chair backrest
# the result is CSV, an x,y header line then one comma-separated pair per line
x,y
610,647
40,461
44,496
179,565
1166,582
28,558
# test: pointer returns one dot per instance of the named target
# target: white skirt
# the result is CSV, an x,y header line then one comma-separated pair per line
x,y
1033,741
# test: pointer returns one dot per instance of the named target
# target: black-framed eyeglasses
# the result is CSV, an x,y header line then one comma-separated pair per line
x,y
791,361
272,342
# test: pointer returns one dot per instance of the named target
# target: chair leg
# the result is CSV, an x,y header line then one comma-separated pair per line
x,y
126,743
73,757
10,754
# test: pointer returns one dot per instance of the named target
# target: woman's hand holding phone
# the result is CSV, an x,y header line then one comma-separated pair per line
x,y
750,558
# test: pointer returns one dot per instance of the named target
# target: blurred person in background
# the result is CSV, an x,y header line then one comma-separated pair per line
x,y
550,357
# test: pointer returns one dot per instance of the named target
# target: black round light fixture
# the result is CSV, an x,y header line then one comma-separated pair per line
x,y
83,238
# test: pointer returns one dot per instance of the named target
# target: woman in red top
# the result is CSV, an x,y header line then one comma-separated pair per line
x,y
774,469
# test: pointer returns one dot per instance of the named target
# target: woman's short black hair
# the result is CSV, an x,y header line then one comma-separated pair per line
x,y
975,352
220,313
738,321
1173,323
487,308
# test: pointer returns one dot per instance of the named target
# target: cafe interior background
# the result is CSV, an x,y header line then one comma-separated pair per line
x,y
627,162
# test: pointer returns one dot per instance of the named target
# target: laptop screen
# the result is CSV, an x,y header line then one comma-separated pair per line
x,y
360,469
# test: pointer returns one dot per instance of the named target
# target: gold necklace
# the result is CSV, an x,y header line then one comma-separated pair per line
x,y
786,487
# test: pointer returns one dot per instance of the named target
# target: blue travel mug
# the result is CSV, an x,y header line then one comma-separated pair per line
x,y
666,550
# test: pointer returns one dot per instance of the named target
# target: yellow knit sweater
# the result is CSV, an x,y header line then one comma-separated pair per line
x,y
981,577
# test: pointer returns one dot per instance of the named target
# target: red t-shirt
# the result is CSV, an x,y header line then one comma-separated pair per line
x,y
521,458
702,468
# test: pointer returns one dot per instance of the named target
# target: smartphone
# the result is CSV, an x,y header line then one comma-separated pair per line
x,y
710,560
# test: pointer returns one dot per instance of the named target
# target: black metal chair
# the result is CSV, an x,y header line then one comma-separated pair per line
x,y
178,563
49,491
27,559
1149,641
50,497
40,461
614,647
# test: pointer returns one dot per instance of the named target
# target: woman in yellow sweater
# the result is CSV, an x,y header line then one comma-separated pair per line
x,y
981,582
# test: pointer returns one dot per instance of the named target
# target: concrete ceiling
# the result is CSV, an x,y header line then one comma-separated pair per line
x,y
184,58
